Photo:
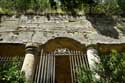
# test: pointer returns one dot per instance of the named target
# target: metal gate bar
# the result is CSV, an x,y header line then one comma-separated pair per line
x,y
44,72
8,60
46,68
71,68
53,68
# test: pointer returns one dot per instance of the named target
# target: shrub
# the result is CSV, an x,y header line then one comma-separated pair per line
x,y
10,72
110,69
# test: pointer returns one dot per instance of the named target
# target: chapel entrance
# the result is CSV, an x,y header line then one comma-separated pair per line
x,y
58,61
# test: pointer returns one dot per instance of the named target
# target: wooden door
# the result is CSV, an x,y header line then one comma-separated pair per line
x,y
62,69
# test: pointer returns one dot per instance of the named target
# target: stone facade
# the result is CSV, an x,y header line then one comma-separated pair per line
x,y
48,33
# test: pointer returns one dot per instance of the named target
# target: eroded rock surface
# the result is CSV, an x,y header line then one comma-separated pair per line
x,y
85,29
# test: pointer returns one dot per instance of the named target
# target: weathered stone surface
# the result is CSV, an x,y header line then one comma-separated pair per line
x,y
39,29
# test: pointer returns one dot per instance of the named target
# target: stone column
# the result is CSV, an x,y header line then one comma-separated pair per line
x,y
92,55
30,59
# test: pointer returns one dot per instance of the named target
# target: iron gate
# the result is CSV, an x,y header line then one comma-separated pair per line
x,y
45,71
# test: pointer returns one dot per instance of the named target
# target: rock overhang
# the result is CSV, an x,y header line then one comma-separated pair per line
x,y
82,29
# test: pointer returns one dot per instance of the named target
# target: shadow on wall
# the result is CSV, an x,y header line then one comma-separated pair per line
x,y
104,25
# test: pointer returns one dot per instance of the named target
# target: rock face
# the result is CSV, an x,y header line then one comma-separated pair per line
x,y
40,29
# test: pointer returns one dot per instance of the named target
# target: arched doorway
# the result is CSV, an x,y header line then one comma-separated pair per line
x,y
58,61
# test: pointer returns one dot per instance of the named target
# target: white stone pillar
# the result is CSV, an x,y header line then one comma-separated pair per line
x,y
92,55
29,63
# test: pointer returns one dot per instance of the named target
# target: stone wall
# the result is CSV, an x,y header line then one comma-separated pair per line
x,y
84,29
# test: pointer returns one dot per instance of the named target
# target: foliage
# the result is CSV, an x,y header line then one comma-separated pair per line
x,y
6,4
110,69
10,72
71,5
122,5
83,75
107,7
44,5
22,5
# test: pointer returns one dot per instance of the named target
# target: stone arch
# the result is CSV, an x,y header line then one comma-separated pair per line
x,y
63,42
